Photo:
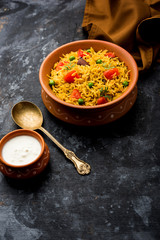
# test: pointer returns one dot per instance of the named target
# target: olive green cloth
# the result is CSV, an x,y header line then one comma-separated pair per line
x,y
132,24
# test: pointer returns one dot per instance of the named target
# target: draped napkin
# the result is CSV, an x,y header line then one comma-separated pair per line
x,y
132,24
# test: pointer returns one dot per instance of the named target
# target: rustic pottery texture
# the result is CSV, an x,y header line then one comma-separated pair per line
x,y
88,115
26,170
20,132
29,171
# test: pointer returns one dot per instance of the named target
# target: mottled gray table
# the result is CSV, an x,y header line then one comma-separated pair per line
x,y
120,199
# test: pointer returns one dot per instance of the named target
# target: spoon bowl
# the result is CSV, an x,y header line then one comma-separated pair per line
x,y
28,116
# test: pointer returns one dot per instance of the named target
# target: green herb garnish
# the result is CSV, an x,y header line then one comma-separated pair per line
x,y
107,67
107,96
103,91
69,66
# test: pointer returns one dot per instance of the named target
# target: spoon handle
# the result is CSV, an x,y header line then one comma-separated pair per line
x,y
81,166
52,138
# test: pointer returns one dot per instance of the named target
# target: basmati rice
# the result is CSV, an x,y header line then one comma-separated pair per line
x,y
93,73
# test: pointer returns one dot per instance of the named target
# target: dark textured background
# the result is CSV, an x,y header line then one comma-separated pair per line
x,y
120,199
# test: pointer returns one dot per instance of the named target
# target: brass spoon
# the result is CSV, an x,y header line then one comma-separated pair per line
x,y
27,115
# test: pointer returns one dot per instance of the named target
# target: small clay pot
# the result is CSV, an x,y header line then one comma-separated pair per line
x,y
26,170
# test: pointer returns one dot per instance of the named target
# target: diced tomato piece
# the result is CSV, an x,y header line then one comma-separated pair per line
x,y
76,94
81,53
60,65
70,76
110,73
110,54
87,53
101,100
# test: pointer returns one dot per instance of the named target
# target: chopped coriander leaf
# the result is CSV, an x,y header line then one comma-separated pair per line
x,y
103,91
107,67
107,96
69,66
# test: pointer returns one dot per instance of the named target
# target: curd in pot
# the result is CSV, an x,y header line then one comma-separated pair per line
x,y
21,150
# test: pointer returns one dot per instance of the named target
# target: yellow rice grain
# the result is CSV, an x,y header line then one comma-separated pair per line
x,y
89,73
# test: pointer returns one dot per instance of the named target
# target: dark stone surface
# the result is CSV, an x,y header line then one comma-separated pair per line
x,y
120,199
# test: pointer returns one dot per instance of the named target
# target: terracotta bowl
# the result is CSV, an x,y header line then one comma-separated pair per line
x,y
26,170
88,115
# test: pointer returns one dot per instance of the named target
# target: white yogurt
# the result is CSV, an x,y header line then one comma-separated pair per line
x,y
21,150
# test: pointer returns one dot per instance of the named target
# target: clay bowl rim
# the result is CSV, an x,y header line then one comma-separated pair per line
x,y
20,132
108,44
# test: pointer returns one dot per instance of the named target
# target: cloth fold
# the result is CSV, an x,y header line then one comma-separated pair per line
x,y
132,24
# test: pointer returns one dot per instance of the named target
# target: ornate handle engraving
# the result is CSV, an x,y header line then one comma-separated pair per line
x,y
81,166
